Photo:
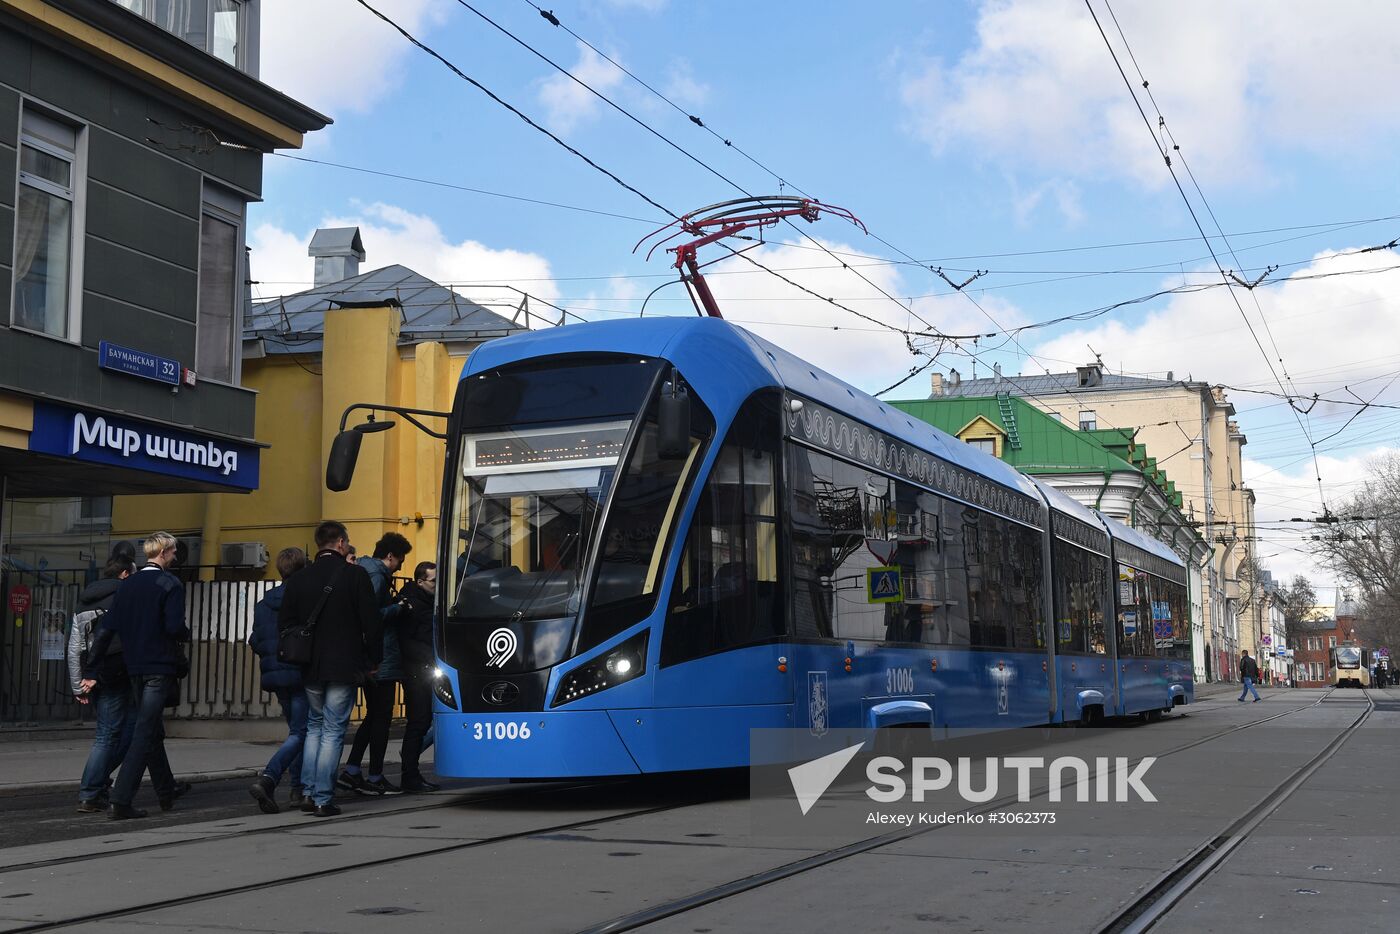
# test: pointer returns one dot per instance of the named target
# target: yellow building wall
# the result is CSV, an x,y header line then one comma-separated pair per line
x,y
398,475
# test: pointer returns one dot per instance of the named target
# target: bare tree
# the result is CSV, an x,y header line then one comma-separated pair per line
x,y
1296,597
1362,541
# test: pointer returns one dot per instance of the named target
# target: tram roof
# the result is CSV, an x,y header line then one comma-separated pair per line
x,y
1132,536
1063,502
700,345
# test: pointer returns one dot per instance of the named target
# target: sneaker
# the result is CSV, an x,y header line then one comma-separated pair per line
x,y
262,791
1257,699
350,782
419,786
326,810
92,806
308,806
382,786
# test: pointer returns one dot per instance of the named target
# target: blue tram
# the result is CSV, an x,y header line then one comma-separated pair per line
x,y
661,534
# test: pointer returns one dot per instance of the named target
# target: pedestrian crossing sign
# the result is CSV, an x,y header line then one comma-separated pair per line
x,y
883,585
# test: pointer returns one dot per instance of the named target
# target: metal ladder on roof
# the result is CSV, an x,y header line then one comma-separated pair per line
x,y
1008,420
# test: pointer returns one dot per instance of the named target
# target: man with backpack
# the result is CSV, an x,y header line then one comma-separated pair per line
x,y
284,680
148,616
110,695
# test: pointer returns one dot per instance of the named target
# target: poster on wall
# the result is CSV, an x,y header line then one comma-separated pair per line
x,y
51,641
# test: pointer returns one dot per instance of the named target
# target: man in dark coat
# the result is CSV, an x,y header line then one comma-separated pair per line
x,y
111,696
415,631
284,680
1249,673
346,648
148,616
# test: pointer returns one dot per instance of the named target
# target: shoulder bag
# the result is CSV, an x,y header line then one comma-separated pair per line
x,y
294,644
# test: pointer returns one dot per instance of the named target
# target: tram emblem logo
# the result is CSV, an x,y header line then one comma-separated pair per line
x,y
817,702
500,646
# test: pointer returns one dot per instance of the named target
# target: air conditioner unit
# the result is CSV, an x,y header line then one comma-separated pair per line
x,y
244,555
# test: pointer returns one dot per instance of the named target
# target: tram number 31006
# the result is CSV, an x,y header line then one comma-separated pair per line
x,y
500,730
899,681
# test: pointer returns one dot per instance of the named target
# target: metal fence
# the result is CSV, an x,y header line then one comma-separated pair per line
x,y
224,677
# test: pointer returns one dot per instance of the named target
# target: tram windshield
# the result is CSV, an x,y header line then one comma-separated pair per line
x,y
1348,657
530,500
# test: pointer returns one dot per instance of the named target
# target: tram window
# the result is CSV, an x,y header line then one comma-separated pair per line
x,y
1080,582
643,513
1139,613
726,593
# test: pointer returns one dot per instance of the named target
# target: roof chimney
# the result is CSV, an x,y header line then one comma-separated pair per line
x,y
1090,374
936,385
996,372
338,253
954,379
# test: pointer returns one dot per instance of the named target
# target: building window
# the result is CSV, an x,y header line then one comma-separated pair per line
x,y
47,225
216,26
220,286
1087,421
985,445
1331,642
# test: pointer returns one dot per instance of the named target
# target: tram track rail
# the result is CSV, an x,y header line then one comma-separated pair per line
x,y
443,801
331,871
786,871
1154,904
623,923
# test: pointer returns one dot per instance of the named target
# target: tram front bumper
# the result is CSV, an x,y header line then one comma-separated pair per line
x,y
538,744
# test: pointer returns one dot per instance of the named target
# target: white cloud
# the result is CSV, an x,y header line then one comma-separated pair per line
x,y
1234,80
337,56
393,235
683,88
1331,332
1292,492
567,103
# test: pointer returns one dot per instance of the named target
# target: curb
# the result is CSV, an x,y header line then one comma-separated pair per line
x,y
40,788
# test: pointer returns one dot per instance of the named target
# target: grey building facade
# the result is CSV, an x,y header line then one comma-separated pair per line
x,y
132,134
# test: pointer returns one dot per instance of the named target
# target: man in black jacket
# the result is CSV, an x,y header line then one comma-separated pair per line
x,y
148,615
415,631
338,600
1249,673
111,695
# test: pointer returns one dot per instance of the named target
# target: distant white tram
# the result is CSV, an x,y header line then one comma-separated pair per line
x,y
1350,665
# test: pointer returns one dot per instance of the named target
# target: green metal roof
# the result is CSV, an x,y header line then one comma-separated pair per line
x,y
1047,445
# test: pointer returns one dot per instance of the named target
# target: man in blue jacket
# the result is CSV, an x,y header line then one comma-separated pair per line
x,y
284,680
148,615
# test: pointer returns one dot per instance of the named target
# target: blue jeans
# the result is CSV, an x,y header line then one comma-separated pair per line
x,y
328,714
147,749
116,720
288,756
1248,689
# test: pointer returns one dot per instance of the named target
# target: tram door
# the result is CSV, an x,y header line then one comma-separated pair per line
x,y
726,611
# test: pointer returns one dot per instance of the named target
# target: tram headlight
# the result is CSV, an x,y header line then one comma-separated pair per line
x,y
442,688
617,665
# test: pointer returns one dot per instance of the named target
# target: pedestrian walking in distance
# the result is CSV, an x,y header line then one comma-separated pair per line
x,y
1249,673
335,600
390,552
111,695
148,616
284,680
415,629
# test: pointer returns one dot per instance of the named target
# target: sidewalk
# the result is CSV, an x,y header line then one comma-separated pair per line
x,y
44,766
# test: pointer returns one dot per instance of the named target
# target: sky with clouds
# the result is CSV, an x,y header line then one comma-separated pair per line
x,y
968,136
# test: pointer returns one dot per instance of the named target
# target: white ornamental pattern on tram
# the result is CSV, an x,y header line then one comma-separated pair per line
x,y
859,442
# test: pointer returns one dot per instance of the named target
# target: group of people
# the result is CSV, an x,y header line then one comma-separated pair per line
x,y
364,638
126,658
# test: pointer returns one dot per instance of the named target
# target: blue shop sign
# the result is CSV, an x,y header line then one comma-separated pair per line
x,y
138,363
123,442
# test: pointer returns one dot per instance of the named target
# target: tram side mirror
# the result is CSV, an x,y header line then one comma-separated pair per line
x,y
673,422
340,466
